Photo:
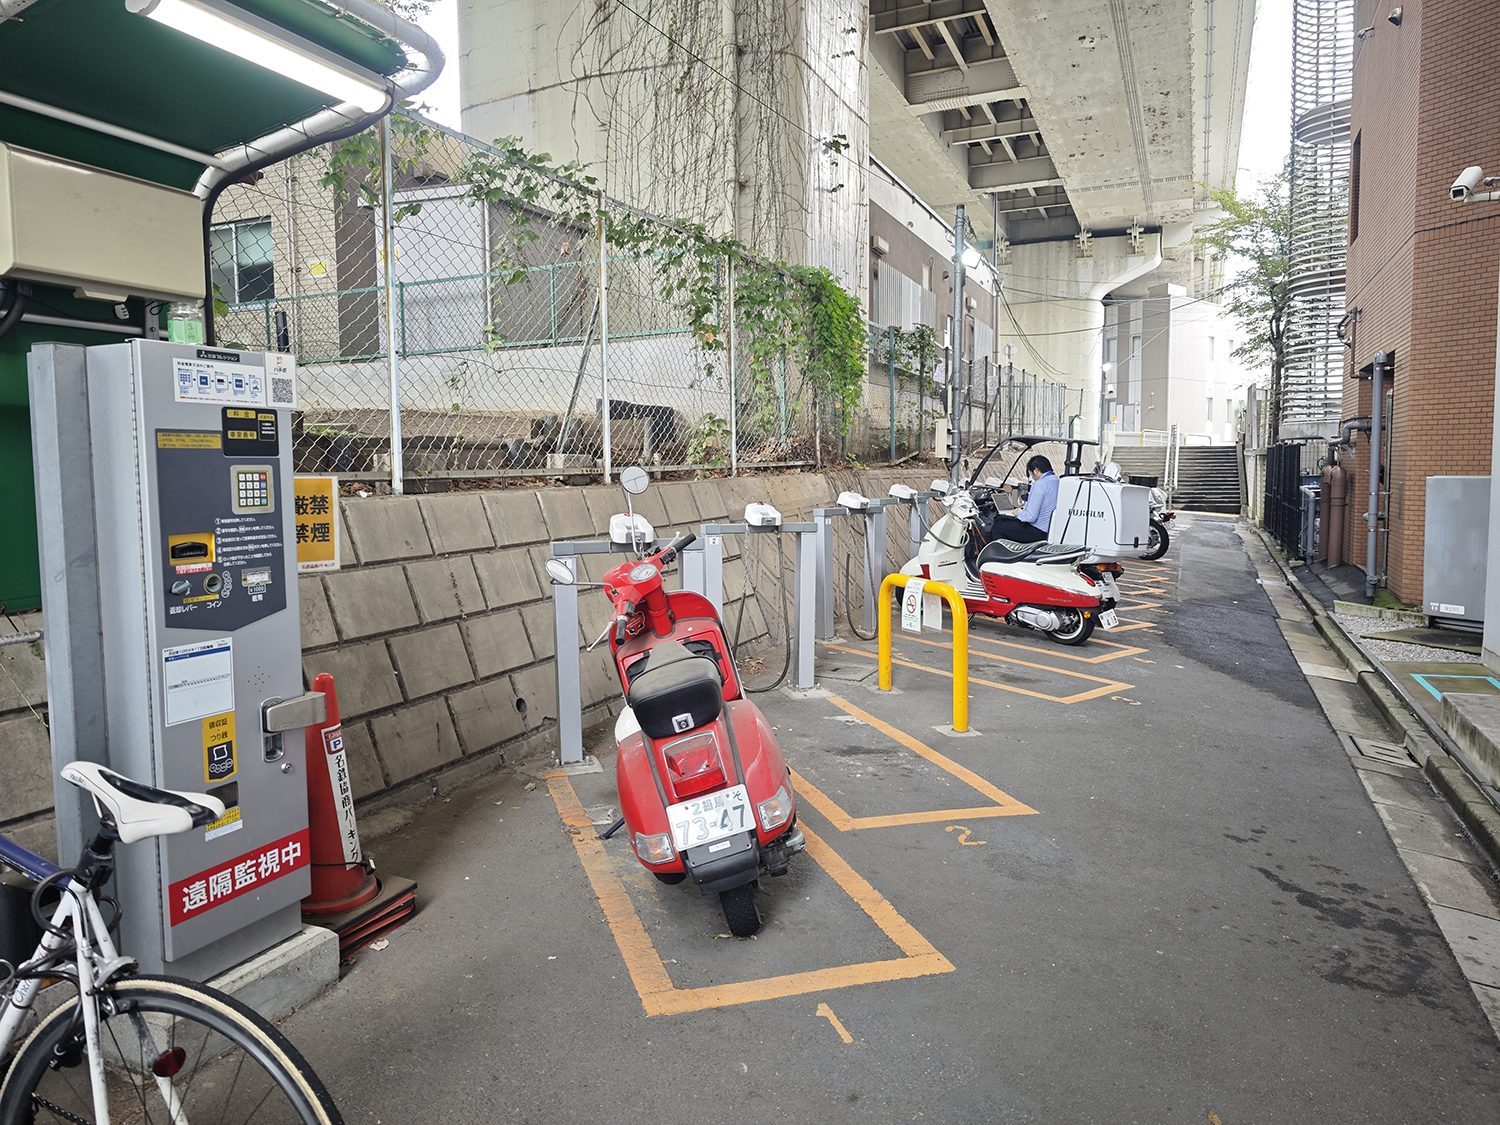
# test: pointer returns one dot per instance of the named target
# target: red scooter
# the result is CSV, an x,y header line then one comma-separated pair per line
x,y
704,791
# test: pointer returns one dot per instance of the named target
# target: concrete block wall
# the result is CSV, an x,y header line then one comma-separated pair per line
x,y
438,630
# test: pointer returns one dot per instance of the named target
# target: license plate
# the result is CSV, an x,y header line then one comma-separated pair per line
x,y
710,817
1108,620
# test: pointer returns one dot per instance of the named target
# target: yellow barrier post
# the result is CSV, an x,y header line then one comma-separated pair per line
x,y
960,642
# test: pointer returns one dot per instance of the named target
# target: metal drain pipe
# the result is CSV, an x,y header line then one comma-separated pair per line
x,y
1378,371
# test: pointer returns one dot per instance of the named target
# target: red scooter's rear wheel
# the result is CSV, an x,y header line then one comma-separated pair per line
x,y
740,911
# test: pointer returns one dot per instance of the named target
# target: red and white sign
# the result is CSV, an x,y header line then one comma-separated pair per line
x,y
202,892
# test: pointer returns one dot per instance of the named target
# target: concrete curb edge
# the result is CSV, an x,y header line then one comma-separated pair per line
x,y
1429,745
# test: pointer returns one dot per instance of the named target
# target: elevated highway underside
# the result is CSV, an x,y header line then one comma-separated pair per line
x,y
1080,133
1060,116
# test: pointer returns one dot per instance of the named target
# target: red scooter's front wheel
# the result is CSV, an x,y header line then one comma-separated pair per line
x,y
740,911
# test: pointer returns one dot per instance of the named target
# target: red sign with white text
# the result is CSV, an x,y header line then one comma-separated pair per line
x,y
200,893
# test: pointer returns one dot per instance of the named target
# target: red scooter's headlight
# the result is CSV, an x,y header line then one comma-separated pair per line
x,y
694,764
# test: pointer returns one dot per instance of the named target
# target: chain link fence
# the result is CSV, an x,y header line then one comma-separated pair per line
x,y
906,392
527,325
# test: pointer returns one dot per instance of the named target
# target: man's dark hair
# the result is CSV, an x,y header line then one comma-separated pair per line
x,y
1038,462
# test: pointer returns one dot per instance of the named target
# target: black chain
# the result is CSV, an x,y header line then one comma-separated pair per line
x,y
58,1111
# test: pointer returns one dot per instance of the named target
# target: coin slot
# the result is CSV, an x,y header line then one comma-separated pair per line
x,y
213,584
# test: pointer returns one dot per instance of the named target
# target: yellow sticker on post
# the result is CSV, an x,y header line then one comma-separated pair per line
x,y
315,512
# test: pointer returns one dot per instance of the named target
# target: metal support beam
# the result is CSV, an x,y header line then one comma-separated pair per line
x,y
805,576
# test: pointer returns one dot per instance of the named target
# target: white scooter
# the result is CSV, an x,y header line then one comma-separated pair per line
x,y
1033,585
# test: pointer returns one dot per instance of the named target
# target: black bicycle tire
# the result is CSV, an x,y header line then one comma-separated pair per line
x,y
221,1014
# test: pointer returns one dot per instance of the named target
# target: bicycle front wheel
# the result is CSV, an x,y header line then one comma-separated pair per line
x,y
174,1051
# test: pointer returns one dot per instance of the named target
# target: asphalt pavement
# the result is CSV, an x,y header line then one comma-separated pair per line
x,y
1165,894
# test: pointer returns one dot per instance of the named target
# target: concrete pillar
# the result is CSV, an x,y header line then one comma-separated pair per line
x,y
1059,324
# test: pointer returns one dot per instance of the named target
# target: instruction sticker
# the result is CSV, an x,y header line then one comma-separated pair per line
x,y
315,511
932,611
911,606
281,376
198,680
219,377
218,748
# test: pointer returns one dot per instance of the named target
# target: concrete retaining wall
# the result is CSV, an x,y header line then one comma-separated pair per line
x,y
438,631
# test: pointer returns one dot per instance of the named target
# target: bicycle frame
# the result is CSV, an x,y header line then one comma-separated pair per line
x,y
97,960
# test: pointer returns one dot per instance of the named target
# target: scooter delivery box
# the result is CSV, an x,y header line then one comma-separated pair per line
x,y
1111,519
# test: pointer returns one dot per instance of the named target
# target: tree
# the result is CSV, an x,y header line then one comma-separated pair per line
x,y
1255,235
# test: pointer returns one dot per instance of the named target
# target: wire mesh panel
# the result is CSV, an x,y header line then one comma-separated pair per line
x,y
506,318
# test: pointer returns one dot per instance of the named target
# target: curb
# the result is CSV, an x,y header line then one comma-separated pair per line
x,y
1430,747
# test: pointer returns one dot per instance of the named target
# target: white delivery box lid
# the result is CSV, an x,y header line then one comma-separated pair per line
x,y
1112,520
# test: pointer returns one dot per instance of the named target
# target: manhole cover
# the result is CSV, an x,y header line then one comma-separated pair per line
x,y
1387,752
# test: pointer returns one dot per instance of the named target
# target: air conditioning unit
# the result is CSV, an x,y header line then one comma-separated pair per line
x,y
879,245
971,303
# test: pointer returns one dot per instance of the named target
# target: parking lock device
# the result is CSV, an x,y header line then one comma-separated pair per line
x,y
179,458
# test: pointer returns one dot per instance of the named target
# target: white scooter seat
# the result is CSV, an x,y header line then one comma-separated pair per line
x,y
135,811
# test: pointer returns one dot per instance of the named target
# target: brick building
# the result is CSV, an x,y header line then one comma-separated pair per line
x,y
1422,270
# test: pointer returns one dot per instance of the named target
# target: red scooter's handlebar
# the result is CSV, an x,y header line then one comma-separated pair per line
x,y
674,548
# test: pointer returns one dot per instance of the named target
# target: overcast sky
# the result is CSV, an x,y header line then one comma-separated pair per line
x,y
1263,140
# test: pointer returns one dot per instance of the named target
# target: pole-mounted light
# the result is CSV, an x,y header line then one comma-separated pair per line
x,y
266,44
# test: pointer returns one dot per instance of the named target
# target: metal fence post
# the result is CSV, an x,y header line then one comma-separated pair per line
x,y
734,394
388,229
604,335
891,355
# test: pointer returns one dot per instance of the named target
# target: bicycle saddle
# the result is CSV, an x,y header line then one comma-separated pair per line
x,y
133,811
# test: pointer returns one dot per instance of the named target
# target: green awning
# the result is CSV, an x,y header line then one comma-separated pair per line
x,y
94,57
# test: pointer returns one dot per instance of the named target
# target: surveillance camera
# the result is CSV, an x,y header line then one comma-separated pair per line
x,y
1467,181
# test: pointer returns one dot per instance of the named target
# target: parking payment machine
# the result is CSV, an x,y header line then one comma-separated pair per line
x,y
189,473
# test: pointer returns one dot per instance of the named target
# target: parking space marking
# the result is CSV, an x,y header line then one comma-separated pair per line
x,y
827,1013
1106,687
1005,804
1054,650
659,996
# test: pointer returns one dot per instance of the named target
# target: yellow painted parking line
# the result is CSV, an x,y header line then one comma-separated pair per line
x,y
1005,804
659,996
827,1013
1106,687
1054,650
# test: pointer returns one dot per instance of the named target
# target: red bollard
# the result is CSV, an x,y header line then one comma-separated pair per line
x,y
340,881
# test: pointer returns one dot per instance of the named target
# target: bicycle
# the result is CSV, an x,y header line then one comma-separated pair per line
x,y
130,1047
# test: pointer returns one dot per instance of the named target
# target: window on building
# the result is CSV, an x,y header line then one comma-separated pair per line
x,y
927,277
1111,348
1210,410
241,253
1354,187
1210,349
1135,347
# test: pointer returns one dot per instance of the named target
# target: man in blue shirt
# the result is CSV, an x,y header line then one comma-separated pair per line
x,y
1031,523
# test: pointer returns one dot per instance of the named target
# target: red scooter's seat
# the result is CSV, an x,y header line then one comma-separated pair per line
x,y
678,691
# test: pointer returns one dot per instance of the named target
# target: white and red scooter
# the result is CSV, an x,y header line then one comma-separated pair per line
x,y
1033,585
1062,589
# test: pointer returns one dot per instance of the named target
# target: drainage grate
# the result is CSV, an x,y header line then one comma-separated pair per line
x,y
1387,752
